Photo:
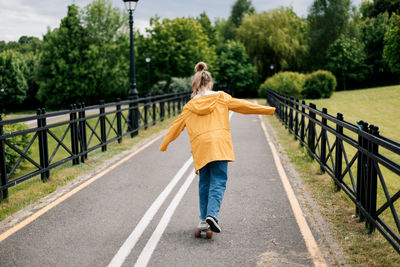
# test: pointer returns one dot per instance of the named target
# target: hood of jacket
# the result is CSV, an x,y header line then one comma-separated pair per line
x,y
204,105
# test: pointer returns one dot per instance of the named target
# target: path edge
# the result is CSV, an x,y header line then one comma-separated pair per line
x,y
30,210
330,250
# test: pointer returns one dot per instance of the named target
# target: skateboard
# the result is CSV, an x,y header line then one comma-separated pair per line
x,y
206,233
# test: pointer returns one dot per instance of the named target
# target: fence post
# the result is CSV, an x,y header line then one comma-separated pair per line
x,y
103,126
179,103
359,169
74,139
362,170
3,165
372,179
311,129
296,120
162,109
302,123
82,131
43,149
146,110
285,116
323,138
339,152
173,105
290,106
169,107
45,146
119,122
154,112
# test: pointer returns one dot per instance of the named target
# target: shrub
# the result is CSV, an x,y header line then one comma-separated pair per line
x,y
287,83
19,141
180,84
159,88
319,84
176,85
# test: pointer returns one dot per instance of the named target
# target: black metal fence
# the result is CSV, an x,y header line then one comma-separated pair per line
x,y
362,163
69,135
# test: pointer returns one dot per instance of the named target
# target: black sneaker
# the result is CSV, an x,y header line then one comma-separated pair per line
x,y
213,224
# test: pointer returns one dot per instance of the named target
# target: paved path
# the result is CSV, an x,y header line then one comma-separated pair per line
x,y
89,228
33,123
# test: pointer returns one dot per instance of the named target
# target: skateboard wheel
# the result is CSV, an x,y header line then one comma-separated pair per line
x,y
197,234
209,234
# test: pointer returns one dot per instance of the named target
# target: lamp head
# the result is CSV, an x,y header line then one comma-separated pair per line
x,y
130,4
148,59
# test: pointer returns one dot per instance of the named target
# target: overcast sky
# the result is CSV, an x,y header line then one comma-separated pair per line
x,y
27,17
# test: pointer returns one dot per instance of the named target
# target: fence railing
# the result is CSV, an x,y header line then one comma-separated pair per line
x,y
81,130
363,163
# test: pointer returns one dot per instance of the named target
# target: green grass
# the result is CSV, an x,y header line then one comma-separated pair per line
x,y
32,190
359,248
378,106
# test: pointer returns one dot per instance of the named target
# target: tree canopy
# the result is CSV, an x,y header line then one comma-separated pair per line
x,y
175,46
276,37
327,19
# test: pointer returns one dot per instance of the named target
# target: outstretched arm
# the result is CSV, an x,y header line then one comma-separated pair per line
x,y
246,107
174,131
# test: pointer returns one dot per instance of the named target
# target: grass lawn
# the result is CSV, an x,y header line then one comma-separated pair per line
x,y
378,106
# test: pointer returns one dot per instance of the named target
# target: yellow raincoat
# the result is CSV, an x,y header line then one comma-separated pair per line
x,y
207,121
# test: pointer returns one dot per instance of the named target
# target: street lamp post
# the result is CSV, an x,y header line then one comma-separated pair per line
x,y
3,108
148,59
133,93
272,68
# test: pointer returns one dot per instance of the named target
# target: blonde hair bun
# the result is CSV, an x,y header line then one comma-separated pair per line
x,y
201,66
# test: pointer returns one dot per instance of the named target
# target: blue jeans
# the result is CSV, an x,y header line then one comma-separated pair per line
x,y
212,184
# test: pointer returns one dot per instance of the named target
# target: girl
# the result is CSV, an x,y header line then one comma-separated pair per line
x,y
206,117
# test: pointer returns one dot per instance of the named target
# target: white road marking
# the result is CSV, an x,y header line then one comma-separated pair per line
x,y
146,253
308,237
128,245
155,237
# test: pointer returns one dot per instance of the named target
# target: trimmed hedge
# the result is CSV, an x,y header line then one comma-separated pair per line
x,y
287,83
319,84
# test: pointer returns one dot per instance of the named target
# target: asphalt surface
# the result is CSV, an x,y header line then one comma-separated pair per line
x,y
89,228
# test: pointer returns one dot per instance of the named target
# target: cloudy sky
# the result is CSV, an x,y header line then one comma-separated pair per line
x,y
27,17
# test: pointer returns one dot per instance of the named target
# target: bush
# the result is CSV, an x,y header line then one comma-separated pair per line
x,y
176,85
287,83
180,84
19,141
319,84
159,88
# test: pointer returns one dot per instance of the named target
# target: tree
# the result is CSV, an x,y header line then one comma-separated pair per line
x,y
86,59
239,9
346,59
235,70
227,28
107,56
276,37
373,31
208,28
391,50
12,78
175,46
62,72
327,20
31,64
390,6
